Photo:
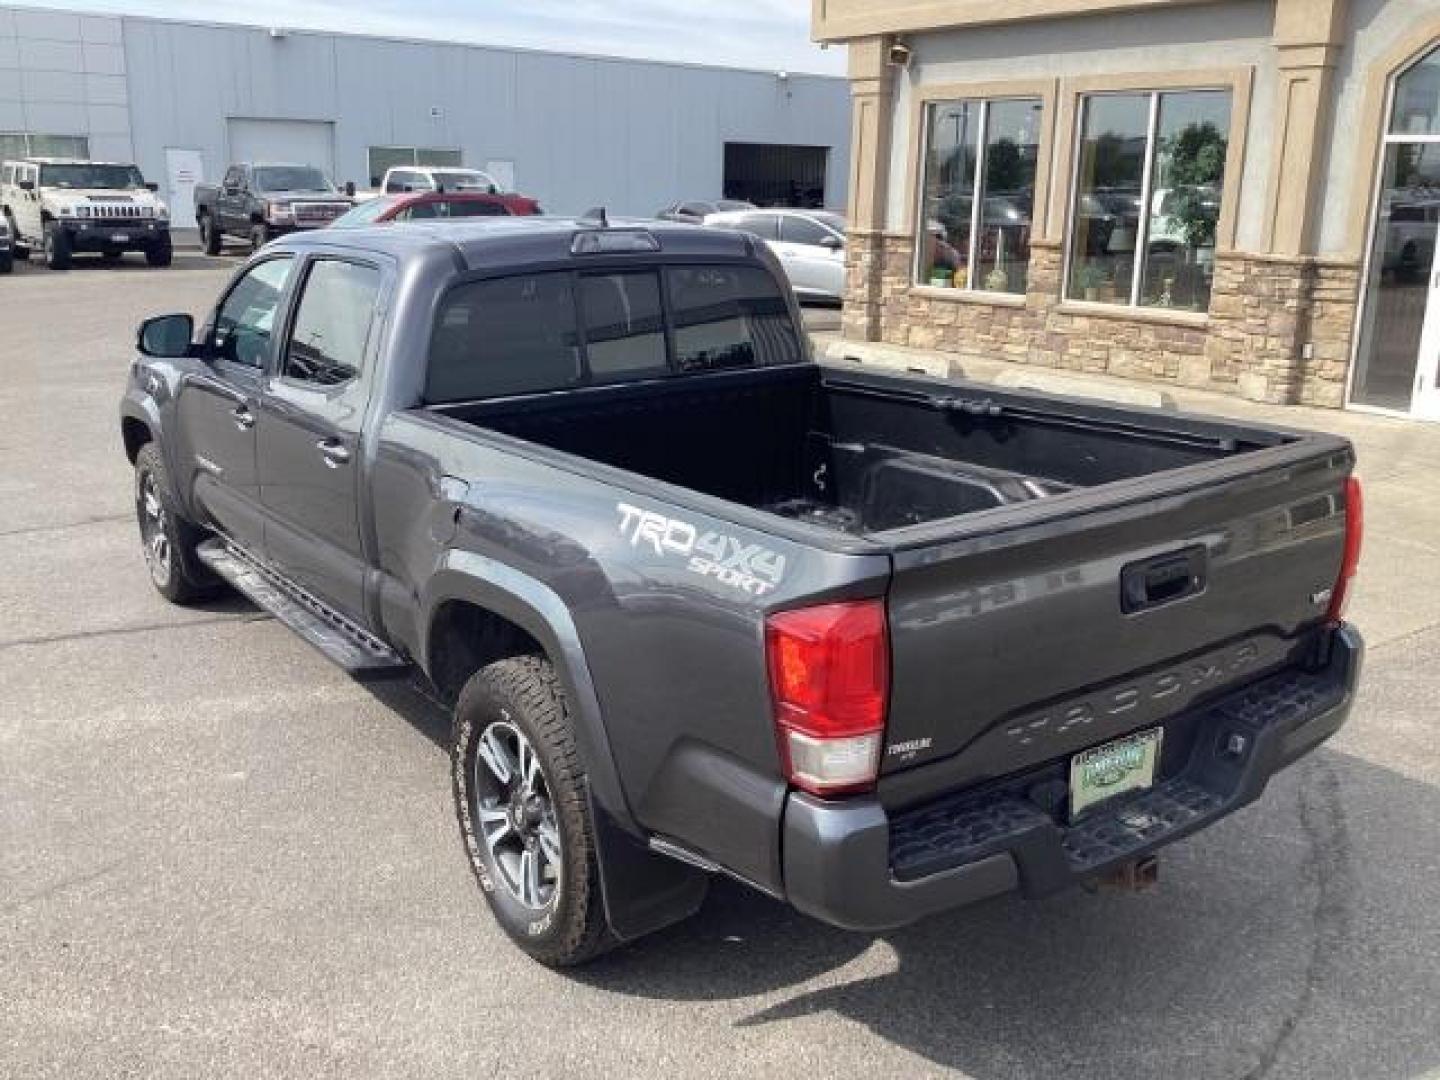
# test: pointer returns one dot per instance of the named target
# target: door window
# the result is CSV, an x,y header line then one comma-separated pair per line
x,y
332,323
765,226
799,230
419,212
246,317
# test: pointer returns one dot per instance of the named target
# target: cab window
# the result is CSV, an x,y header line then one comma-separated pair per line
x,y
246,317
332,323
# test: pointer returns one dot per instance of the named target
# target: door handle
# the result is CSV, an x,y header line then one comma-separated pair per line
x,y
334,452
244,418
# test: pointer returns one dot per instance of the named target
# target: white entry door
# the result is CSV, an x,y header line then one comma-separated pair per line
x,y
183,170
1426,403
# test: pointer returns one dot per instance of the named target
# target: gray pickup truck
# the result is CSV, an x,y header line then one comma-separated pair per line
x,y
875,644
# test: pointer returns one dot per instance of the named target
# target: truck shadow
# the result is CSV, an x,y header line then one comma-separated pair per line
x,y
1281,935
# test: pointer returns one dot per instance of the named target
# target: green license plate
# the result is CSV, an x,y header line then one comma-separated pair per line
x,y
1102,772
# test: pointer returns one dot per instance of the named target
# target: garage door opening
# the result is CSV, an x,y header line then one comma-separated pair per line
x,y
770,174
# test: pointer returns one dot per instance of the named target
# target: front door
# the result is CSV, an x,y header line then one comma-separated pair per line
x,y
218,404
183,170
312,417
1426,403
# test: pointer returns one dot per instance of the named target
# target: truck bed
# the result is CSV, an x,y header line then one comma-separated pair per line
x,y
858,453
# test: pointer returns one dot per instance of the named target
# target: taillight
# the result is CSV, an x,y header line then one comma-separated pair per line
x,y
1350,560
830,676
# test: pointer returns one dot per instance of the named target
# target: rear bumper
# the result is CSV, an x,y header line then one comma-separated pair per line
x,y
851,864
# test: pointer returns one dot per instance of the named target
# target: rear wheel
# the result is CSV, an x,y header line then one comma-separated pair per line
x,y
524,814
168,540
57,248
19,251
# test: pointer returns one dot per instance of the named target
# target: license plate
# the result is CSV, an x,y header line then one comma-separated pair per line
x,y
120,238
1102,772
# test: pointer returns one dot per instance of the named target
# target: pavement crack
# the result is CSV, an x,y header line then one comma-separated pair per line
x,y
1329,871
61,886
66,526
81,635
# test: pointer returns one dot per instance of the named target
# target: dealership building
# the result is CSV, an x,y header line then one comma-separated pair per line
x,y
1239,195
182,99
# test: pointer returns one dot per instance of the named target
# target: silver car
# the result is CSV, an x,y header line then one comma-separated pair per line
x,y
810,245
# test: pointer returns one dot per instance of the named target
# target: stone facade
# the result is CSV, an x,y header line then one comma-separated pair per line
x,y
1264,312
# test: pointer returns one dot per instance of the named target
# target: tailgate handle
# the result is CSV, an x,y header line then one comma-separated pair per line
x,y
1163,579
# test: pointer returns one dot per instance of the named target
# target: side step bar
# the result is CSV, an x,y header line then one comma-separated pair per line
x,y
353,648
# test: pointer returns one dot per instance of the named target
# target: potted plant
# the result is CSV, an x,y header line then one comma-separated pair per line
x,y
939,277
961,277
997,280
1089,278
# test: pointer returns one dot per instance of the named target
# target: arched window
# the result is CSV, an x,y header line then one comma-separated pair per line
x,y
1417,99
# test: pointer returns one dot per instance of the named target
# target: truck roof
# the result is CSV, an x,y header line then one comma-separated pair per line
x,y
522,241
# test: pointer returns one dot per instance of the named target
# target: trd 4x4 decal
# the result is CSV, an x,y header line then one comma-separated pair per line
x,y
747,567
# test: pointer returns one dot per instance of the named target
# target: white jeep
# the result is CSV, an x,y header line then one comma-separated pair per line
x,y
62,205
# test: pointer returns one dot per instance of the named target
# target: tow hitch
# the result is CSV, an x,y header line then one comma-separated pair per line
x,y
1139,875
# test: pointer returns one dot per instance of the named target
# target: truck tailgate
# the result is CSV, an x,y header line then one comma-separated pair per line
x,y
1105,612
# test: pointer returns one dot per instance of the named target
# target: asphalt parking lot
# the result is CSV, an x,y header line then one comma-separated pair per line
x,y
221,857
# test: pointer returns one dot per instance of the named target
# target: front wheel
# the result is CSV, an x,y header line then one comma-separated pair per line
x,y
520,795
210,238
7,262
259,237
168,540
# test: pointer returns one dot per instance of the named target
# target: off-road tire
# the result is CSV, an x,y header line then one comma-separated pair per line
x,y
186,579
525,692
7,262
210,237
161,252
57,248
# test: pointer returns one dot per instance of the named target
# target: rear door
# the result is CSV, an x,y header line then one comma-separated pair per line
x,y
813,266
1024,645
312,415
218,404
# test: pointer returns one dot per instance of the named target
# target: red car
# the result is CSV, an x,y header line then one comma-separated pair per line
x,y
435,205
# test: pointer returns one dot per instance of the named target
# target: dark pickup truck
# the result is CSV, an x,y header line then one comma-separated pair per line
x,y
260,202
874,644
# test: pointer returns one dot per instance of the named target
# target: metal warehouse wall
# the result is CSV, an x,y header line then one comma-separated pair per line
x,y
582,131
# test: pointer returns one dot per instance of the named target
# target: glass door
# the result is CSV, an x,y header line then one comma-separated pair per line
x,y
1399,331
1426,403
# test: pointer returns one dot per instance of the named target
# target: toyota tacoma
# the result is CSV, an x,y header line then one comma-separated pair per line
x,y
874,644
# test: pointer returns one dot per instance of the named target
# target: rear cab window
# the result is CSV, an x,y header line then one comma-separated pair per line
x,y
557,330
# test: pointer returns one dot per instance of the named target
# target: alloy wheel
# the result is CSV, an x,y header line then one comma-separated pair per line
x,y
516,816
154,532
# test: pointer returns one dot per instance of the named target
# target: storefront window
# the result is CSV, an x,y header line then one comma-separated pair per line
x,y
978,194
1147,198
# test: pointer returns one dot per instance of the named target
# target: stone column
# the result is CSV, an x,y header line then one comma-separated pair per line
x,y
871,93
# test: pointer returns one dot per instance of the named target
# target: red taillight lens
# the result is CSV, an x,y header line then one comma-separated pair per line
x,y
830,675
1350,561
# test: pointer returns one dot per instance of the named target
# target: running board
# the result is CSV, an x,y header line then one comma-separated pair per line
x,y
353,648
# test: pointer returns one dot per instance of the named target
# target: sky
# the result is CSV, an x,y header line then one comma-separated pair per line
x,y
767,34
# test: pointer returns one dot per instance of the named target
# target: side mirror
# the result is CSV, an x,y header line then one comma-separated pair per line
x,y
27,185
167,337
350,188
833,243
152,187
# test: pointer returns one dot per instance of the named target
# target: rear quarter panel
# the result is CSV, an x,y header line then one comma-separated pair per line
x,y
674,647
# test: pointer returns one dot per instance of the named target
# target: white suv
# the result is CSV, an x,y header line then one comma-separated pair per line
x,y
63,205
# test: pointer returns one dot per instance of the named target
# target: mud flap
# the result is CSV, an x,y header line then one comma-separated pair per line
x,y
643,891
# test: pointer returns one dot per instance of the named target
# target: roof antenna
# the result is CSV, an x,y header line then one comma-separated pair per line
x,y
596,214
